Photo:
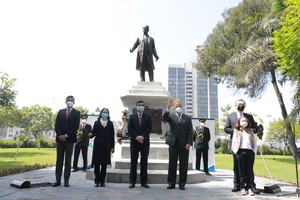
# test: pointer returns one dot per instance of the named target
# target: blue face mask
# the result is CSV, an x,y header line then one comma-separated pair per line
x,y
140,108
104,115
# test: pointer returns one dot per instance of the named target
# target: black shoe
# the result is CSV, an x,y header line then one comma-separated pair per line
x,y
97,185
255,191
207,173
145,185
131,185
67,184
181,187
236,189
75,170
102,184
170,187
56,184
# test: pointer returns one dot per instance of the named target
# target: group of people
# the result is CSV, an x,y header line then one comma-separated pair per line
x,y
181,137
69,131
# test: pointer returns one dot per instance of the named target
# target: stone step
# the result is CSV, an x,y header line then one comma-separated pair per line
x,y
153,164
158,150
154,176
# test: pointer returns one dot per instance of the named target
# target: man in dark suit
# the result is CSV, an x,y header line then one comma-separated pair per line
x,y
66,126
82,143
139,129
146,51
179,139
229,128
201,144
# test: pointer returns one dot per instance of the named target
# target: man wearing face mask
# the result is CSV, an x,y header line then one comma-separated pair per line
x,y
201,144
139,129
179,139
230,124
82,143
66,126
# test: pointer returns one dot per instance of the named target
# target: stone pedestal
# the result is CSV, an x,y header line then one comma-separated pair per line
x,y
156,99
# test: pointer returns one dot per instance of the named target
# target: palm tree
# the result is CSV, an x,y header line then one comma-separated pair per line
x,y
256,67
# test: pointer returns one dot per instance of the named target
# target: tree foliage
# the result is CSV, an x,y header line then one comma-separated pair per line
x,y
239,52
287,39
7,94
36,119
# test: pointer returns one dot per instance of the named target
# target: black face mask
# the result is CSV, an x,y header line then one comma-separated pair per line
x,y
241,108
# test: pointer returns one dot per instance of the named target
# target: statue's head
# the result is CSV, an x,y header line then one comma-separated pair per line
x,y
145,29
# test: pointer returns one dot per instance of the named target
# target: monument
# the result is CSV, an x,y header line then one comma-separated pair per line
x,y
156,98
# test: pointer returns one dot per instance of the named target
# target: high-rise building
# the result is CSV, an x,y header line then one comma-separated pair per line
x,y
197,93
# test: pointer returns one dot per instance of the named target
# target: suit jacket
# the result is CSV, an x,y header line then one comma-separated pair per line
x,y
180,132
146,51
83,138
67,126
134,128
201,137
232,120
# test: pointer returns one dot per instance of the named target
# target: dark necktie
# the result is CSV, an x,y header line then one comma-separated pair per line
x,y
140,119
68,113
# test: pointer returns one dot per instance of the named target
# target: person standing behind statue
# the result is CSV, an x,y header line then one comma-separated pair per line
x,y
139,129
201,144
179,139
231,121
66,126
146,51
244,147
104,146
82,143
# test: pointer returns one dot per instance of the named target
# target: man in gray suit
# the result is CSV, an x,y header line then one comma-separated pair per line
x,y
229,129
179,139
146,51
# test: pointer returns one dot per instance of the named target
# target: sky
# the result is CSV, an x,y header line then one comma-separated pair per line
x,y
56,48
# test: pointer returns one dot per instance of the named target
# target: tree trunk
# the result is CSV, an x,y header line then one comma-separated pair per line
x,y
288,126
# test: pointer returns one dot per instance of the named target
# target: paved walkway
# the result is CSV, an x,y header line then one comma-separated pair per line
x,y
217,187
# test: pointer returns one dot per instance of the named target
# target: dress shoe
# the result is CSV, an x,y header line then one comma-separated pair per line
x,y
181,187
75,170
207,173
255,191
102,184
67,184
97,185
145,185
132,185
170,187
56,184
235,189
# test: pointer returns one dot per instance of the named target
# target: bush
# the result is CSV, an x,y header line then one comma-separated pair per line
x,y
28,144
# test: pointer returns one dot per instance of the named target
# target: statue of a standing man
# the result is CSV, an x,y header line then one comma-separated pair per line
x,y
144,60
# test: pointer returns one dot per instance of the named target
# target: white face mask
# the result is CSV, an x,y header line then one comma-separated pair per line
x,y
244,124
69,104
83,121
178,110
202,124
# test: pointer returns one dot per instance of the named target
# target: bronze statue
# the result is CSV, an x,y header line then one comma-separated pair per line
x,y
146,51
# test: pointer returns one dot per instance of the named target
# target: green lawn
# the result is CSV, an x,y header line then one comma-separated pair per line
x,y
282,168
28,158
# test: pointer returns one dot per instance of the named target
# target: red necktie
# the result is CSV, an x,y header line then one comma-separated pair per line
x,y
68,113
140,119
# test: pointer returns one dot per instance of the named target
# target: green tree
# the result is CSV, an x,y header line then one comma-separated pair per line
x,y
7,94
36,119
250,66
82,110
287,40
